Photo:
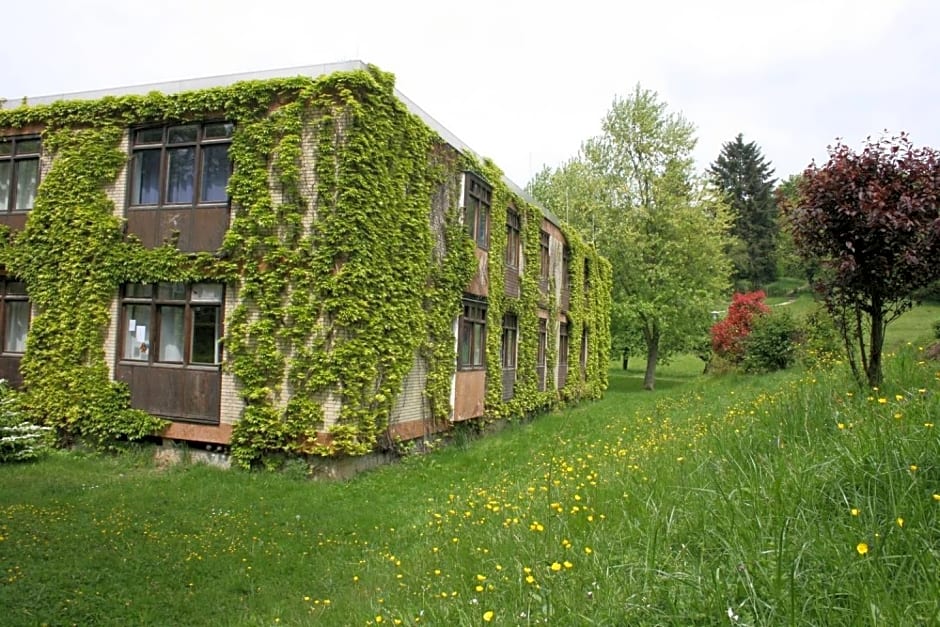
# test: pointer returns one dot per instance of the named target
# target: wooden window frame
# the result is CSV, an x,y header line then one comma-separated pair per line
x,y
165,146
8,204
155,302
563,344
545,261
477,198
513,239
472,335
7,297
509,346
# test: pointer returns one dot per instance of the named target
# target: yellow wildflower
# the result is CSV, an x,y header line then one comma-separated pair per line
x,y
862,548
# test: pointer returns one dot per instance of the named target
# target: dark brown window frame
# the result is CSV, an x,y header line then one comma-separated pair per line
x,y
165,146
477,204
513,239
509,345
6,298
8,204
471,335
563,344
544,257
155,302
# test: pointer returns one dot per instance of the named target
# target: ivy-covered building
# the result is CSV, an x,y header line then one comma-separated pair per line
x,y
296,261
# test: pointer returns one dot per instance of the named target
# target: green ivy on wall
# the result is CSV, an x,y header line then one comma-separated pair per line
x,y
340,282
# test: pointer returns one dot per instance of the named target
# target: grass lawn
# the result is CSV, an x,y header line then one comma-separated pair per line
x,y
792,498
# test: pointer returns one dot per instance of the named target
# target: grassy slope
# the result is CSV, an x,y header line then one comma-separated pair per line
x,y
671,507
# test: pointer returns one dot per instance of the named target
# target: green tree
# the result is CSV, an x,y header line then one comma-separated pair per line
x,y
746,179
872,220
633,191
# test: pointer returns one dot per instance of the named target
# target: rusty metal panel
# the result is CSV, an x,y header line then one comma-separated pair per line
x,y
10,370
512,282
479,286
175,393
16,221
143,224
509,379
199,230
470,394
208,227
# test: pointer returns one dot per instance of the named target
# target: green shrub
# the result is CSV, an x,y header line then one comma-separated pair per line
x,y
20,439
819,340
771,344
936,329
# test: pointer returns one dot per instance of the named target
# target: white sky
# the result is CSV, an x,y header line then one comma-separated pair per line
x,y
525,82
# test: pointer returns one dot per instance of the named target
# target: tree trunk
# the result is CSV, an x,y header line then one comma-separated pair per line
x,y
652,356
626,358
873,367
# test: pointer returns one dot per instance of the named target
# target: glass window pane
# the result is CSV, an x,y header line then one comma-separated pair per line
x,y
16,287
17,324
205,346
180,174
145,186
149,136
6,169
464,349
207,293
171,333
137,332
219,130
6,147
27,180
171,291
138,290
215,170
27,147
478,345
182,134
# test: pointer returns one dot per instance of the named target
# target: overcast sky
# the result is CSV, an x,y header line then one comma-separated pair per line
x,y
525,82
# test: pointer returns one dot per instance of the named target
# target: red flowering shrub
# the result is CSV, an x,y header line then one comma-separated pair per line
x,y
728,334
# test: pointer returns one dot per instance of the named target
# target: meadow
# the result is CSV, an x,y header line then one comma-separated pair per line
x,y
787,499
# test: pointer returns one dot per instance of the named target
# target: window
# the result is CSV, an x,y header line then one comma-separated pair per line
x,y
172,323
180,165
513,239
15,313
477,203
540,355
508,346
584,349
566,269
19,172
544,260
563,344
471,340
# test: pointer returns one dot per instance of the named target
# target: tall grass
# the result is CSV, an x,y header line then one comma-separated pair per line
x,y
790,499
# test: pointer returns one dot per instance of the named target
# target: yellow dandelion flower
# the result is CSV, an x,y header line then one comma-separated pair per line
x,y
898,415
882,400
479,588
862,548
913,467
900,521
899,397
568,564
488,616
481,577
588,549
841,425
379,619
856,511
555,567
529,579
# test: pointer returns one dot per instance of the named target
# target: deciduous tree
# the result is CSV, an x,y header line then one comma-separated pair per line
x,y
633,191
872,219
